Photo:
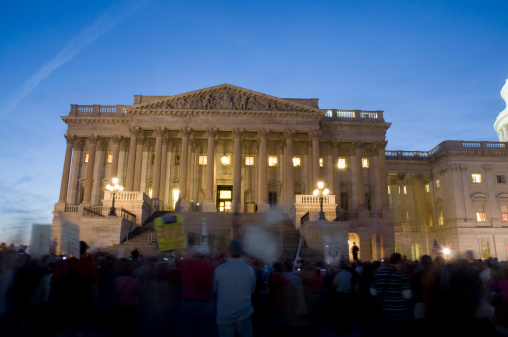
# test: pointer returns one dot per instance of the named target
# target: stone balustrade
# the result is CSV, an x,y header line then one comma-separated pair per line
x,y
126,196
97,110
449,145
336,114
303,199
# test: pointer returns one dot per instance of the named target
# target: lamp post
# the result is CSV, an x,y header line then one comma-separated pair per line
x,y
321,192
114,189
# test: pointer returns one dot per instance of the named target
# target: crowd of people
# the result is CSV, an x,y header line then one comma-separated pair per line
x,y
205,293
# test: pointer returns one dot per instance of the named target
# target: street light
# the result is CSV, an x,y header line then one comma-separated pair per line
x,y
114,189
320,192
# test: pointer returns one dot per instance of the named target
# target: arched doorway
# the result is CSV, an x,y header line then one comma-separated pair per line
x,y
353,239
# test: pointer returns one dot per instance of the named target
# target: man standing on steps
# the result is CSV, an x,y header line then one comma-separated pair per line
x,y
234,283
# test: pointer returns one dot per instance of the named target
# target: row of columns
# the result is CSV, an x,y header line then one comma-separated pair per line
x,y
135,155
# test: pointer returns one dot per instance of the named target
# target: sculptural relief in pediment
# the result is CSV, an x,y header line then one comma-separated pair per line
x,y
226,99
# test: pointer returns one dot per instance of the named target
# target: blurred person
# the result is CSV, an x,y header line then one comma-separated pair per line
x,y
197,296
343,283
234,283
420,284
73,296
391,287
276,288
499,280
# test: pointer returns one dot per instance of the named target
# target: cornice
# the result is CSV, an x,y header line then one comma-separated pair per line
x,y
227,113
354,125
96,120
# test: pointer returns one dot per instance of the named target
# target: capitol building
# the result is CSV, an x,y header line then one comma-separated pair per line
x,y
228,150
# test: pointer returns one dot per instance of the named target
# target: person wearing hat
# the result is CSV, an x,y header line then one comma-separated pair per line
x,y
234,283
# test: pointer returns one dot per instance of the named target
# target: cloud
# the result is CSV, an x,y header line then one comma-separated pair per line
x,y
100,26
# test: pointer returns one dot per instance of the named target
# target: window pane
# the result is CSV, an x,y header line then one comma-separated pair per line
x,y
249,161
477,178
342,163
109,158
272,161
365,162
296,161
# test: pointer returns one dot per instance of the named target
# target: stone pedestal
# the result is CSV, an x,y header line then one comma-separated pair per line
x,y
328,237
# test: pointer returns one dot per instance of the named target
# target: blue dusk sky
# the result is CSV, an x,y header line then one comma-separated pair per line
x,y
436,68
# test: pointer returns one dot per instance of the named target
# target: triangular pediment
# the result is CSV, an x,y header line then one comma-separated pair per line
x,y
224,97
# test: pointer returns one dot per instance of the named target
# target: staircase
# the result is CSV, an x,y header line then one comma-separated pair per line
x,y
219,230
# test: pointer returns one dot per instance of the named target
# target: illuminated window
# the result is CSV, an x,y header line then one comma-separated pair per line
x,y
405,190
504,211
427,188
477,178
441,218
321,162
176,195
481,217
150,192
341,163
225,160
272,161
249,160
438,183
389,189
86,157
202,160
296,161
501,178
109,158
365,162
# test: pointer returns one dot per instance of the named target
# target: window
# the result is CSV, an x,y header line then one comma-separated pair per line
x,y
480,212
427,188
321,162
501,179
438,183
202,160
441,217
405,190
297,161
249,161
87,155
504,211
341,163
177,160
272,161
109,158
389,189
477,178
365,162
225,160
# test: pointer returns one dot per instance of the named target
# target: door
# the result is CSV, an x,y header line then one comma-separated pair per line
x,y
224,198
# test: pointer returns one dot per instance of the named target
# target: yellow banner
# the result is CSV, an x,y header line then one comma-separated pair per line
x,y
170,233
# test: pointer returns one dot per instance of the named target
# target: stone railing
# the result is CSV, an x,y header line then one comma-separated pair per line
x,y
127,196
97,110
304,199
72,208
336,114
449,145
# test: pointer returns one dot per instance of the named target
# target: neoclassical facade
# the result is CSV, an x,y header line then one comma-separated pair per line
x,y
229,149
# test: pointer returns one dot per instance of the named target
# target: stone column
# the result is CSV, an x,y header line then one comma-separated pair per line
x,y
164,161
289,173
263,172
310,176
383,176
145,163
335,167
97,194
72,197
314,136
237,170
120,172
135,133
184,158
66,168
87,194
113,173
376,178
159,133
402,198
139,163
360,184
208,203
